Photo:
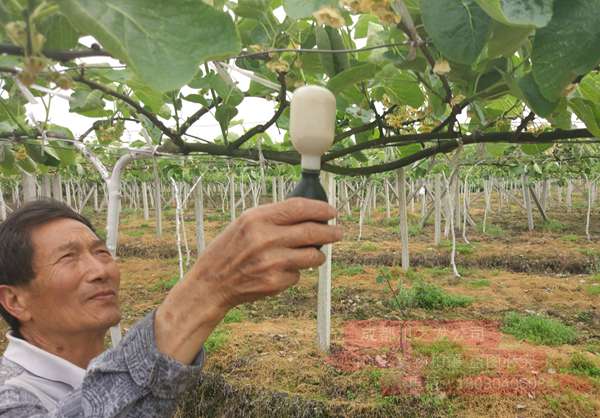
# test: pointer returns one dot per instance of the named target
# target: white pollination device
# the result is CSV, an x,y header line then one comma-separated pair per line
x,y
312,128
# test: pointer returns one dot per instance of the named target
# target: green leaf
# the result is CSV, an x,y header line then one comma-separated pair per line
x,y
567,47
298,9
519,12
588,112
402,87
407,150
351,76
459,28
224,114
253,9
534,98
27,165
42,155
589,87
7,158
196,98
59,33
535,149
506,39
231,95
361,30
150,97
88,103
162,42
496,150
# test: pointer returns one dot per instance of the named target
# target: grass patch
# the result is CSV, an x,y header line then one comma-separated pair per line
x,y
593,290
593,348
234,315
442,346
491,230
216,340
134,233
461,247
581,365
414,230
347,270
368,246
538,329
553,226
478,283
166,284
430,297
570,238
570,404
447,363
439,271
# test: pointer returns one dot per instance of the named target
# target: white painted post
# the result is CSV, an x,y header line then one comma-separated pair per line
x,y
527,198
57,187
199,213
46,191
438,210
403,219
274,189
112,221
231,198
157,199
28,185
324,293
145,201
2,205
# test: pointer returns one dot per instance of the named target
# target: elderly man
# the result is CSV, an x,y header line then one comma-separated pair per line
x,y
59,294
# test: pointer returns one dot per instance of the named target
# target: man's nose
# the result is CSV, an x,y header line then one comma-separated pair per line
x,y
96,268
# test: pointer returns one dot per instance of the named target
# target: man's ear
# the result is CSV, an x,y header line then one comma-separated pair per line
x,y
14,300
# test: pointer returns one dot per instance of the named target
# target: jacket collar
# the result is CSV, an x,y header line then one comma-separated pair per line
x,y
43,364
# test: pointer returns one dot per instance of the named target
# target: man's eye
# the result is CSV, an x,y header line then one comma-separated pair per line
x,y
67,256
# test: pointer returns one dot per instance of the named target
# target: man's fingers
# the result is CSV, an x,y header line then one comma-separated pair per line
x,y
310,234
303,258
298,209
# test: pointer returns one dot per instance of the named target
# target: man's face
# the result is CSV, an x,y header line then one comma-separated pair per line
x,y
76,282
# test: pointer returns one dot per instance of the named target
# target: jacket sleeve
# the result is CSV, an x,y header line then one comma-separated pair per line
x,y
131,380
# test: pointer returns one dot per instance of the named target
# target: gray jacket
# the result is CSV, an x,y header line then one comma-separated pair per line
x,y
131,380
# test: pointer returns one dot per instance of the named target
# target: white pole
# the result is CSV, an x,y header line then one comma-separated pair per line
x,y
324,293
199,213
112,222
2,205
438,210
28,182
403,219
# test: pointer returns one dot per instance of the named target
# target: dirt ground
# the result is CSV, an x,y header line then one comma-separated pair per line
x,y
391,361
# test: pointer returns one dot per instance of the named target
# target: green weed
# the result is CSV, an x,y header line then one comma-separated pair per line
x,y
166,284
570,404
414,230
134,233
478,283
492,230
553,226
538,329
428,296
216,340
347,270
580,364
593,348
447,362
593,290
234,315
570,238
368,246
461,247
